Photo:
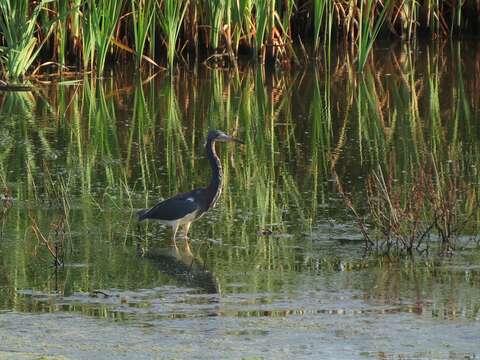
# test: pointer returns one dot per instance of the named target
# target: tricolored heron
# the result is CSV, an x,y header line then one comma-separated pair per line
x,y
185,208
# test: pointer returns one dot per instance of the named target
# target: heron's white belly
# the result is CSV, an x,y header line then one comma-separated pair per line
x,y
186,219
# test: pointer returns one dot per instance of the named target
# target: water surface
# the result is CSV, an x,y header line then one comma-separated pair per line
x,y
276,270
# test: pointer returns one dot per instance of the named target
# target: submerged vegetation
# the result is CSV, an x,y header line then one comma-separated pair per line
x,y
65,36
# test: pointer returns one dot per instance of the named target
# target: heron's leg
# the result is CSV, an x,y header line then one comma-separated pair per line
x,y
187,247
175,229
185,230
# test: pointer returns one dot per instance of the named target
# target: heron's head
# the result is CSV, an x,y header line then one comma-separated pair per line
x,y
217,135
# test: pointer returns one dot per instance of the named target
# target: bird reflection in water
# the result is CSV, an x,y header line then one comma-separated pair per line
x,y
180,263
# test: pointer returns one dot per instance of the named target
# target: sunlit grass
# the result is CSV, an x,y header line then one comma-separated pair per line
x,y
104,15
21,41
370,25
143,14
93,33
170,16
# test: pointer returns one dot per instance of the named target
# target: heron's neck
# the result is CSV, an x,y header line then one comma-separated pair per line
x,y
215,186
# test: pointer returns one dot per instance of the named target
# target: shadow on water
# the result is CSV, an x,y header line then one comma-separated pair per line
x,y
179,262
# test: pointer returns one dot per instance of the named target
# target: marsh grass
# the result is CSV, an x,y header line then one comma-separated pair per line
x,y
320,8
428,215
98,32
104,15
170,18
143,14
21,41
58,195
421,192
369,26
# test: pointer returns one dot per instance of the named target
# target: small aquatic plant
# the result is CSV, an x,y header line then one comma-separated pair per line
x,y
408,220
55,244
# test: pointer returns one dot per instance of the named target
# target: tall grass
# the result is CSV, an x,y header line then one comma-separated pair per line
x,y
21,39
381,120
61,31
104,15
143,14
369,26
170,18
264,21
217,11
95,32
320,8
243,25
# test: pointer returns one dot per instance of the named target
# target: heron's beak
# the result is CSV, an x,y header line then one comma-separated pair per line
x,y
237,140
227,138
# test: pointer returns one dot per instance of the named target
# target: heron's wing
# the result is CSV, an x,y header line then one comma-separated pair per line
x,y
171,209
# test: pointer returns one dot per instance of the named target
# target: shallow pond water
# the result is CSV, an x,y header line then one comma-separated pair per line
x,y
277,269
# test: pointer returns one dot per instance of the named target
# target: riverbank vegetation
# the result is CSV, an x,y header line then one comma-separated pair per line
x,y
86,35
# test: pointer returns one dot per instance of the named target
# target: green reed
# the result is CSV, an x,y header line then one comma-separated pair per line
x,y
321,141
174,138
22,43
143,15
19,108
371,121
82,32
320,8
105,15
61,31
409,15
170,16
438,136
416,138
463,108
217,10
88,38
243,25
112,147
142,133
370,25
434,16
75,32
264,24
